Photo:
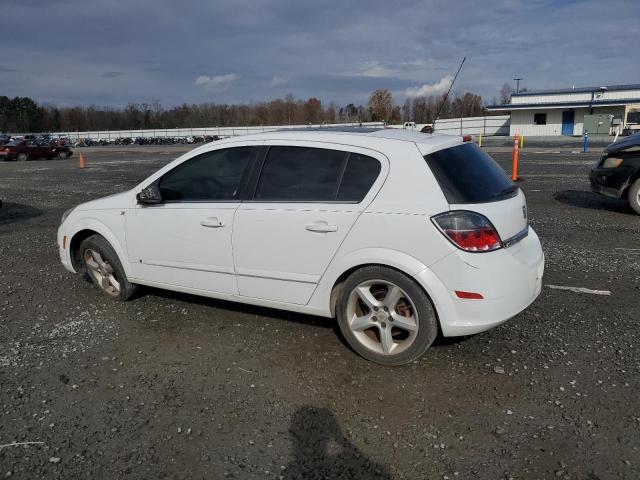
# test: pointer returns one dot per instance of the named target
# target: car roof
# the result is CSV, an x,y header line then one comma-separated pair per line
x,y
360,136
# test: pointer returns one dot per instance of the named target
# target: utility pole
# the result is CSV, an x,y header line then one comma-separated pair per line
x,y
517,84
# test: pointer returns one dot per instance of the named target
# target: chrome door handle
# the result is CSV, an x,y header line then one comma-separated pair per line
x,y
211,222
322,227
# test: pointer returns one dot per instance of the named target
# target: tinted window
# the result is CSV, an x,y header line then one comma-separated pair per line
x,y
300,174
540,119
358,177
211,176
466,174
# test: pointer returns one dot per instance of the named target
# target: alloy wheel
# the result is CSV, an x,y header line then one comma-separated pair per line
x,y
101,272
382,317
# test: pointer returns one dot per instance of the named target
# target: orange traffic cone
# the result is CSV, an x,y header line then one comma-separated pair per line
x,y
82,162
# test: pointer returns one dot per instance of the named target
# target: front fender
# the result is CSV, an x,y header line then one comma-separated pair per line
x,y
111,227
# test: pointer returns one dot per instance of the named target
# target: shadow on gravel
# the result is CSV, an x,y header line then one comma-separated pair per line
x,y
241,308
321,451
590,200
17,212
276,314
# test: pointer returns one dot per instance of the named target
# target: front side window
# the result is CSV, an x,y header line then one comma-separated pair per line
x,y
212,176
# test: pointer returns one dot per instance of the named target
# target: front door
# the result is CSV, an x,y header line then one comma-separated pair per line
x,y
568,119
186,240
306,200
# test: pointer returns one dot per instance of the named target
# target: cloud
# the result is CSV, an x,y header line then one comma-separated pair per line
x,y
394,48
218,82
279,81
430,89
375,69
113,74
6,69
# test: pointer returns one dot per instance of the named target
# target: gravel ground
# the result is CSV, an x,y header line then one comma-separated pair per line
x,y
176,386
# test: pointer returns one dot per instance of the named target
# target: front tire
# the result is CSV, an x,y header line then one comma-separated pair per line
x,y
22,157
385,316
62,155
633,196
103,268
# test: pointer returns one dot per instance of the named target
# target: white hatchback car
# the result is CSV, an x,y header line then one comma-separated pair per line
x,y
398,234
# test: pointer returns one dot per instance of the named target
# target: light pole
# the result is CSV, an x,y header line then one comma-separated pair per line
x,y
517,84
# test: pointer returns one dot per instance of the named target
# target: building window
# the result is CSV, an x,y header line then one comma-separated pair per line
x,y
540,119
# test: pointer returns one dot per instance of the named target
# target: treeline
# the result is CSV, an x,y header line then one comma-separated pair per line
x,y
22,114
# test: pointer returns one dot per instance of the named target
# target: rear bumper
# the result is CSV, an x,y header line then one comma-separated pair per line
x,y
508,279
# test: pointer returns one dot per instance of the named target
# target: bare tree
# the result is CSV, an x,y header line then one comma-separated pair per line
x,y
381,105
22,115
504,95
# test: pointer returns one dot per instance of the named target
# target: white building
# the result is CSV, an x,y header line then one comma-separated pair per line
x,y
605,110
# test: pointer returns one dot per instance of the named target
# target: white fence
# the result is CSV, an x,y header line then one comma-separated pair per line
x,y
200,132
487,126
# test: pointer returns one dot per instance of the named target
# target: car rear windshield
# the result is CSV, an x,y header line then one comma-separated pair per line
x,y
466,174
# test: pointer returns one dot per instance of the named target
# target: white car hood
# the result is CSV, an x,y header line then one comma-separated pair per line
x,y
117,200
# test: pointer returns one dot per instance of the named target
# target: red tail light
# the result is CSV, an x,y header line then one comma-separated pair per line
x,y
467,138
469,231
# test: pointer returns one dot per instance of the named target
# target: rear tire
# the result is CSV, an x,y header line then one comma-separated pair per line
x,y
102,267
633,196
385,316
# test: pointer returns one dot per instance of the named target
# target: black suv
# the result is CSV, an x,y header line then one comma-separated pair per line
x,y
617,173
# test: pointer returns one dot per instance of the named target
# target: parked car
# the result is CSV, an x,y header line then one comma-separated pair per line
x,y
617,173
30,149
396,233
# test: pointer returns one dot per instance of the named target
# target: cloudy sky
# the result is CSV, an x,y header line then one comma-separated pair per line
x,y
111,52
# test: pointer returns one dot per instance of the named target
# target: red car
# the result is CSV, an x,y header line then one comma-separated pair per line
x,y
32,149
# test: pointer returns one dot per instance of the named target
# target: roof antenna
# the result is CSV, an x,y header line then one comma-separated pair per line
x,y
448,91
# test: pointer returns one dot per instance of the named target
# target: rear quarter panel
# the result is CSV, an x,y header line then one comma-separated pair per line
x,y
395,229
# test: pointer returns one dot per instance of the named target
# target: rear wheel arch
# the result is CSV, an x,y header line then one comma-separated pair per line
x,y
338,284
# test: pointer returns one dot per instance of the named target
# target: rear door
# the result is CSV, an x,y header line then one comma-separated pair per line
x,y
471,180
302,204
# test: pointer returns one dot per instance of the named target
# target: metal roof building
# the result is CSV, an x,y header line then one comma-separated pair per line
x,y
600,110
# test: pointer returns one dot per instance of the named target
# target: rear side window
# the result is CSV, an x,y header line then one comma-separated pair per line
x,y
305,174
466,174
212,176
358,177
300,174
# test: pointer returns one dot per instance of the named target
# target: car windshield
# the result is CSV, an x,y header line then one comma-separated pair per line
x,y
14,143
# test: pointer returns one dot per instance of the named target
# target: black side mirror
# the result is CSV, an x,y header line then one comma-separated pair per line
x,y
149,195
